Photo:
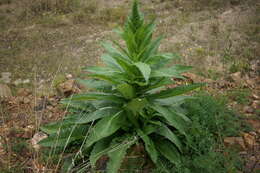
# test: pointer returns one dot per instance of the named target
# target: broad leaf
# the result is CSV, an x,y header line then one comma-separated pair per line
x,y
128,91
172,101
137,104
100,148
174,71
144,69
55,126
65,136
117,154
175,91
149,146
100,113
167,133
167,149
93,96
170,117
105,127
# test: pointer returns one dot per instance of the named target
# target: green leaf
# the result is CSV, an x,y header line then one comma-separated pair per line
x,y
149,146
108,78
113,51
158,84
169,116
144,69
161,59
65,136
128,91
93,96
151,49
152,127
67,164
55,126
100,148
137,104
105,146
117,155
175,91
105,127
100,113
175,100
167,149
174,71
110,62
180,114
167,133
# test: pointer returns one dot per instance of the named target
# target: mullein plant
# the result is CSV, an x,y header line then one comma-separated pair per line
x,y
128,103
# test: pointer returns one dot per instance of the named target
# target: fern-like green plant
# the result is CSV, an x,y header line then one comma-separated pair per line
x,y
129,102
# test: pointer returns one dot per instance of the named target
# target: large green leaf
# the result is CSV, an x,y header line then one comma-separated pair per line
x,y
152,127
175,100
117,154
105,127
100,148
180,114
151,49
113,79
106,147
128,91
175,91
111,50
100,113
169,116
149,146
144,69
137,104
161,59
65,136
167,149
174,71
55,126
111,62
158,83
167,133
94,96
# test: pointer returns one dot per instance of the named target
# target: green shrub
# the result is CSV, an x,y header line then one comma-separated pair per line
x,y
204,151
130,104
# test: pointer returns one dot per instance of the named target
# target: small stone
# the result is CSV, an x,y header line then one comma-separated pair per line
x,y
69,76
23,92
67,88
5,91
256,104
5,77
37,137
26,100
26,81
236,142
248,109
18,82
249,140
255,96
50,108
236,77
